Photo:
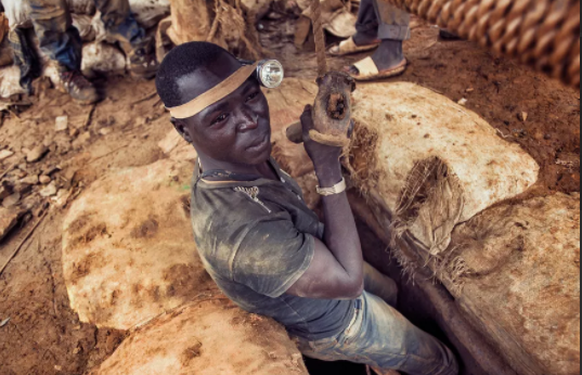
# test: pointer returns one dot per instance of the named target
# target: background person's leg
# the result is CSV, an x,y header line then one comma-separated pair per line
x,y
57,36
393,29
121,24
367,24
25,58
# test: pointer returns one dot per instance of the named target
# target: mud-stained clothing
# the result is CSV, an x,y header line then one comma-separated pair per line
x,y
378,18
256,238
60,40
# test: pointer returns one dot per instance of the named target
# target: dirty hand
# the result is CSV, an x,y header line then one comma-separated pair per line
x,y
325,158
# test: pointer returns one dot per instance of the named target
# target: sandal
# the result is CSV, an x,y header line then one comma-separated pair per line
x,y
349,47
368,71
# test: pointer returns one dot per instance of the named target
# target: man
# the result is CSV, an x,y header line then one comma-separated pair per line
x,y
259,241
383,27
61,41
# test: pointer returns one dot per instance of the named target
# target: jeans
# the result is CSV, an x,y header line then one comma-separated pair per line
x,y
60,40
379,336
383,20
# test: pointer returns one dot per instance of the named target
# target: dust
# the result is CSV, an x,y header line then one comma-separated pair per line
x,y
85,266
146,230
90,235
181,278
190,353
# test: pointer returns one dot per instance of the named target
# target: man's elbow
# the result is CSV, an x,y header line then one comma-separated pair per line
x,y
356,290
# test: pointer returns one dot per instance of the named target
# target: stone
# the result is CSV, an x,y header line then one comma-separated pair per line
x,y
29,180
45,180
36,153
4,154
11,200
5,190
61,123
49,191
8,220
105,131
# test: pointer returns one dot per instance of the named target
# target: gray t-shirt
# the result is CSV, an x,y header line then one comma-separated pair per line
x,y
256,239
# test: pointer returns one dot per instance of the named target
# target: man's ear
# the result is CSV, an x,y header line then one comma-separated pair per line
x,y
181,128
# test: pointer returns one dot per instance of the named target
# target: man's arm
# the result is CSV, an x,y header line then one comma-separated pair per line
x,y
337,268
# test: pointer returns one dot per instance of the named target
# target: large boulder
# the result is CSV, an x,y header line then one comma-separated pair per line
x,y
208,337
432,163
515,270
128,248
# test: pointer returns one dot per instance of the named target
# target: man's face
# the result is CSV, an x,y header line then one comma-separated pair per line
x,y
236,129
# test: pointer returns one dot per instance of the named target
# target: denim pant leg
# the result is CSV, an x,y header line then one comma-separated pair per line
x,y
58,38
120,23
383,20
382,338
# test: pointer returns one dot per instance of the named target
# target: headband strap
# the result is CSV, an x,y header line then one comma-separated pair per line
x,y
215,94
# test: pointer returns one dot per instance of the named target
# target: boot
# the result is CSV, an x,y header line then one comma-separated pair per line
x,y
142,60
79,87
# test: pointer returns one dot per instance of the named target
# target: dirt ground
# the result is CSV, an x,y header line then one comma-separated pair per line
x,y
43,335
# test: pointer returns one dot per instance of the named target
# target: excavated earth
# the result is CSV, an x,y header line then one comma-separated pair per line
x,y
40,334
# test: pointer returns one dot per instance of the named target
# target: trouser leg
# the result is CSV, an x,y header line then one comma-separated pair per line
x,y
367,23
380,285
57,36
393,23
384,339
120,23
24,57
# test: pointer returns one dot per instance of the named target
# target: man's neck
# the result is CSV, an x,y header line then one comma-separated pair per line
x,y
264,169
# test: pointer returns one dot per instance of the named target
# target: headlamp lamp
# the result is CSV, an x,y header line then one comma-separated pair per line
x,y
269,73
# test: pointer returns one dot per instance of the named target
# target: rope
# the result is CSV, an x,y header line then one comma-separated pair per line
x,y
319,37
544,34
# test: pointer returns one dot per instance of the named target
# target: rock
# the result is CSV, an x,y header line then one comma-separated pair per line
x,y
11,200
463,102
49,191
8,220
36,153
61,123
105,131
83,138
30,180
5,190
45,180
4,154
522,116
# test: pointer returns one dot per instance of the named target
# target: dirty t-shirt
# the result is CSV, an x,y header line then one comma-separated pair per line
x,y
256,239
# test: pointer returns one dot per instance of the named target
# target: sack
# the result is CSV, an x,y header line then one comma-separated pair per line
x,y
10,82
434,163
208,337
128,248
102,58
515,271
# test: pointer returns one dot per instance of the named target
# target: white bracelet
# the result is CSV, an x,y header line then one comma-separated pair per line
x,y
336,189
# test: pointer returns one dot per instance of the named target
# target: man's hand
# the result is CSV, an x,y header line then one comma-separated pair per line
x,y
326,159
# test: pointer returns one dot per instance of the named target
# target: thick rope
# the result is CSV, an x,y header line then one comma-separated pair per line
x,y
542,33
319,37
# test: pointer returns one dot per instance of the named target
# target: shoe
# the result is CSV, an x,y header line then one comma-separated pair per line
x,y
142,61
79,87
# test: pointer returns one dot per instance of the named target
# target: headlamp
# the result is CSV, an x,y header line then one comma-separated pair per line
x,y
270,73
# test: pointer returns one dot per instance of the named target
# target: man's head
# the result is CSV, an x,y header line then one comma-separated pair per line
x,y
235,129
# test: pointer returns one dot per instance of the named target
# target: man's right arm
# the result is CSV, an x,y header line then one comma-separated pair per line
x,y
337,268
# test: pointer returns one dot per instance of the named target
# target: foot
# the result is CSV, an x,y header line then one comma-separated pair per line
x,y
389,55
142,60
79,87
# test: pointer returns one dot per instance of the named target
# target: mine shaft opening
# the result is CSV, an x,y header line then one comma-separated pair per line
x,y
412,304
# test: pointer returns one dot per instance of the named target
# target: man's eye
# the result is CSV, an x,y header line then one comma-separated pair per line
x,y
219,119
252,96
